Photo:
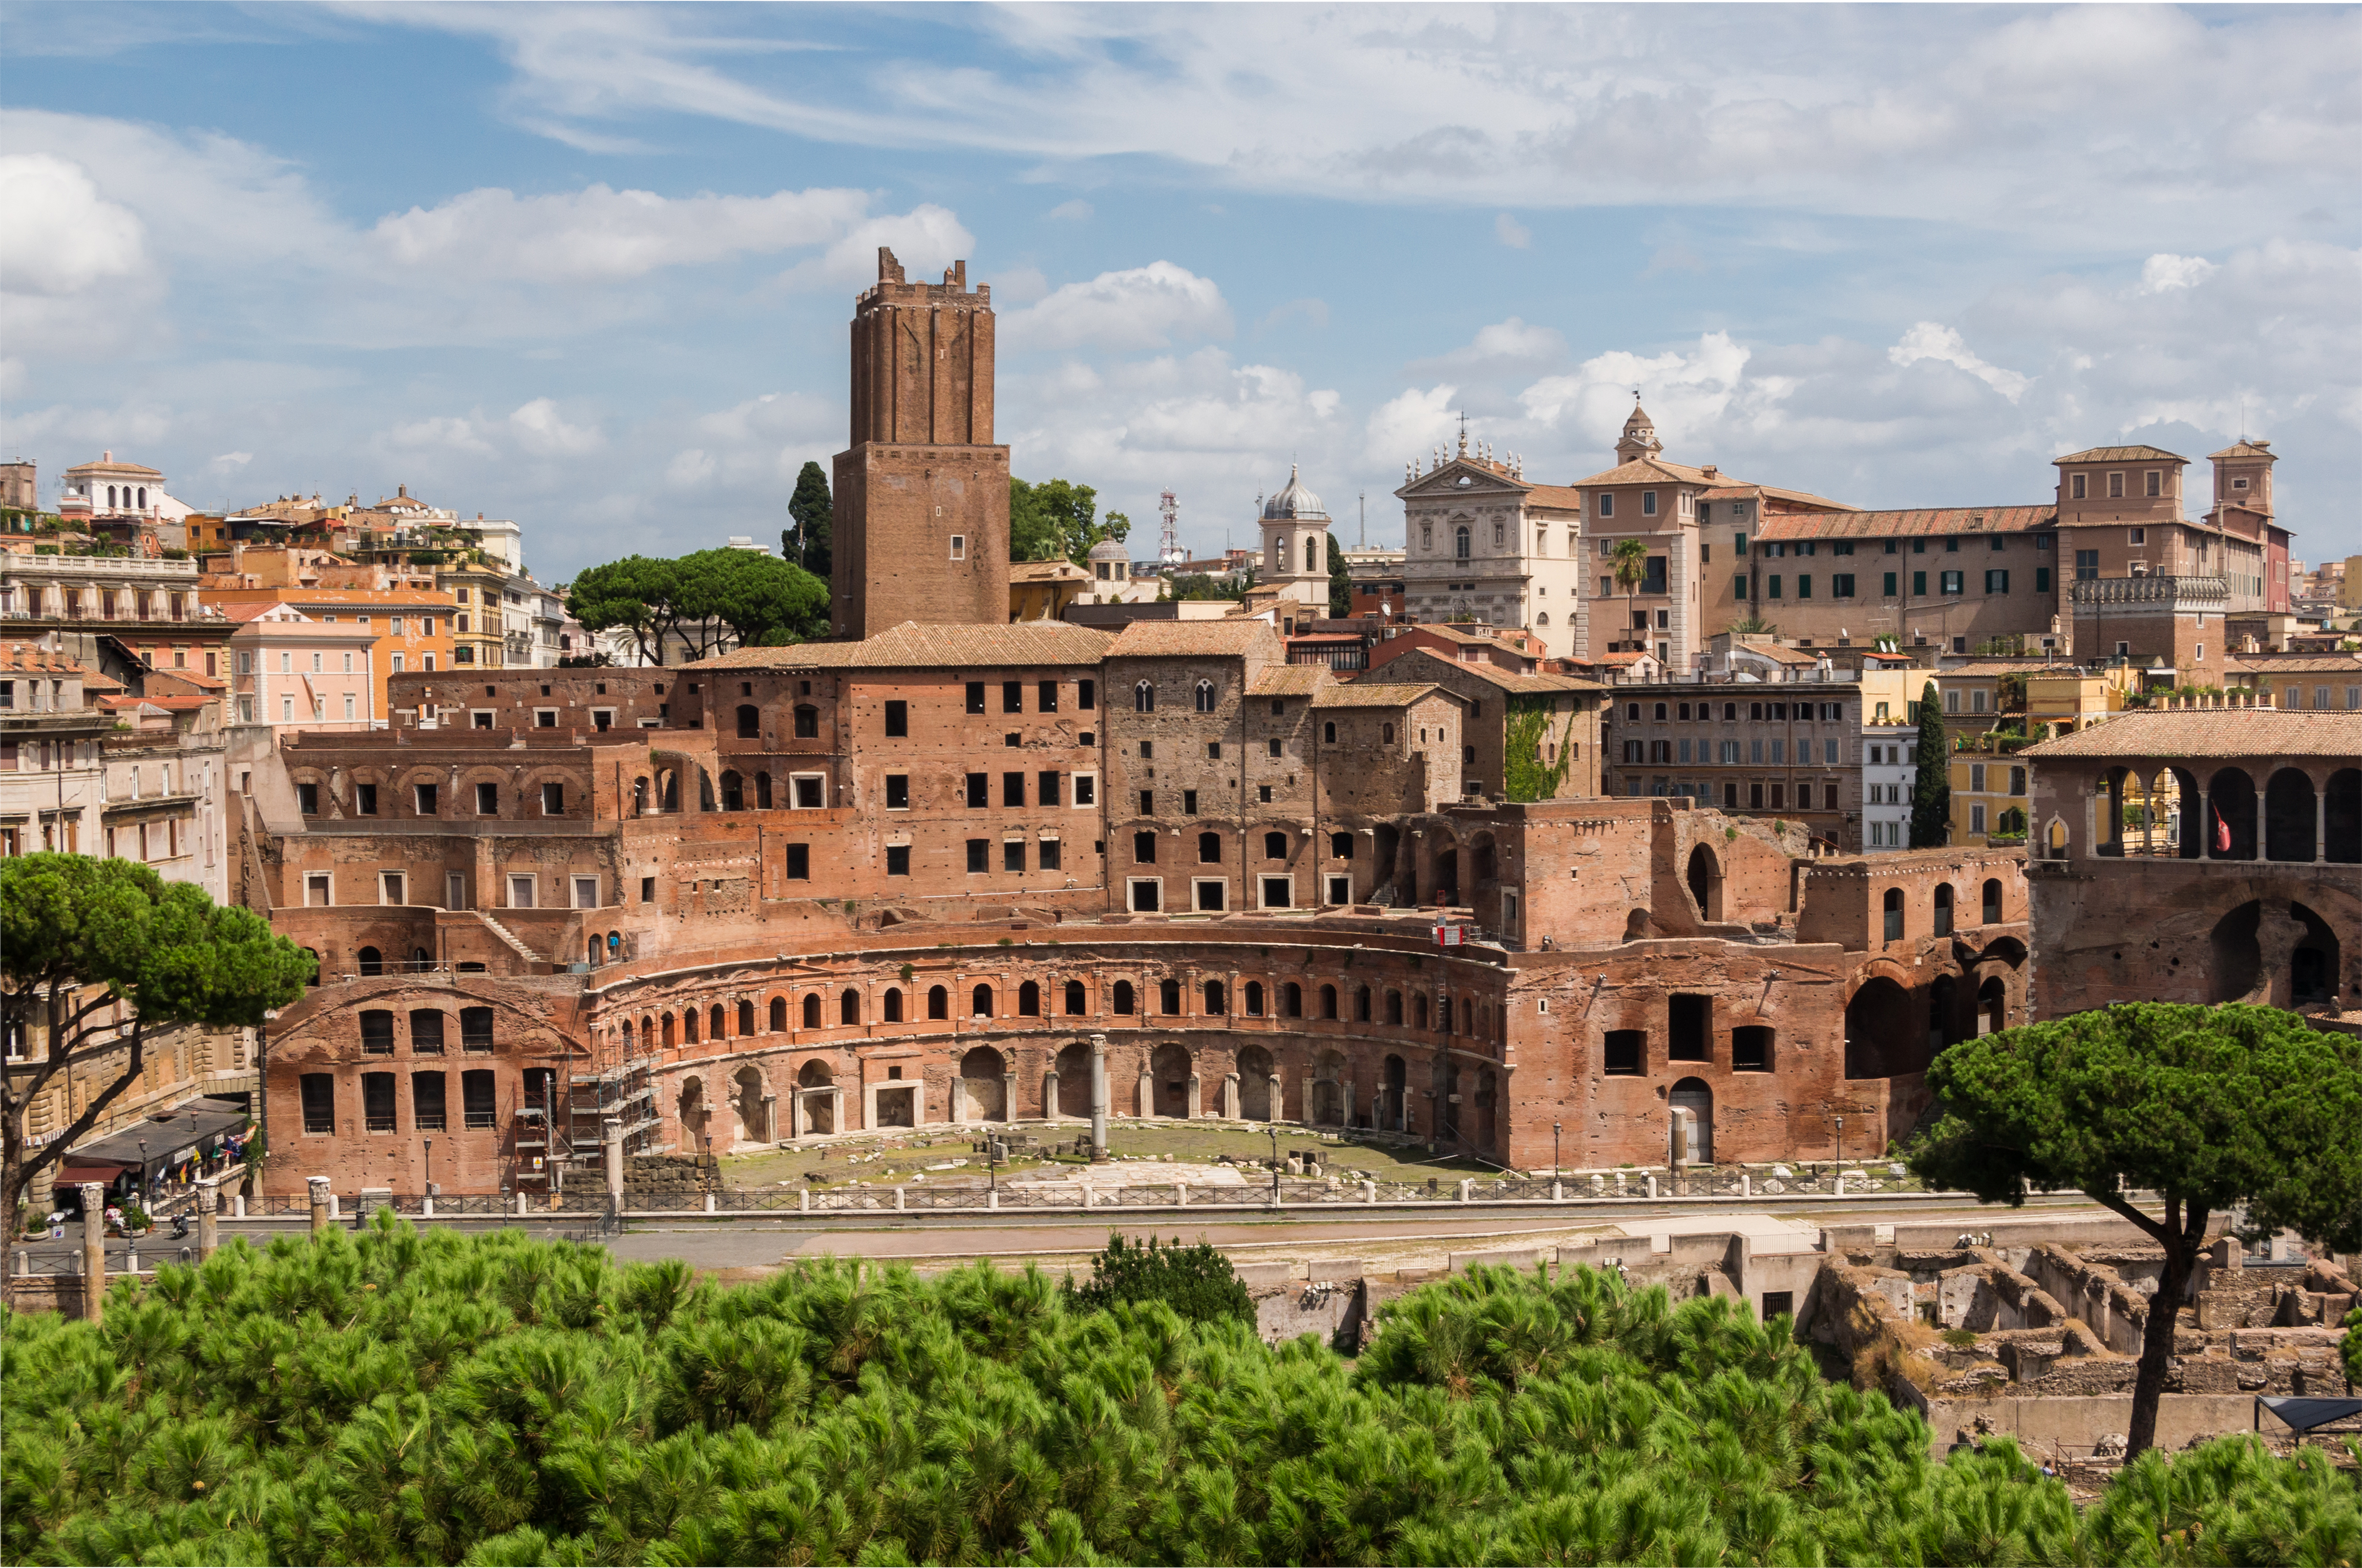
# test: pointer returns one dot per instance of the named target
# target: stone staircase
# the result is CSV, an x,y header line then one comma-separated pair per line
x,y
505,935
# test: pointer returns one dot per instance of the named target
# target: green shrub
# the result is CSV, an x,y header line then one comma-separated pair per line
x,y
1196,1282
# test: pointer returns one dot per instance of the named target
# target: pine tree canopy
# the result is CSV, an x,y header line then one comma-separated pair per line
x,y
407,1396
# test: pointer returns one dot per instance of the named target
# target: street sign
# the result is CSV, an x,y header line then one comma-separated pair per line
x,y
1450,935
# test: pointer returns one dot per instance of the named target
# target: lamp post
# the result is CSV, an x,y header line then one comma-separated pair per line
x,y
1274,1131
1840,1121
143,1173
1554,1165
991,1163
429,1178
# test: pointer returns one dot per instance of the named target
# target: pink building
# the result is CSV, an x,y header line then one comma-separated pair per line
x,y
290,671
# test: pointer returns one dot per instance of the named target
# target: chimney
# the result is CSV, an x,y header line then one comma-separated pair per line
x,y
106,457
401,491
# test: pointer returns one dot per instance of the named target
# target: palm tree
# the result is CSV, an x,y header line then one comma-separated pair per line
x,y
1630,561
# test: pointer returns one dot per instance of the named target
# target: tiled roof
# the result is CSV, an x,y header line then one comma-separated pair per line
x,y
184,702
1923,520
1374,694
1178,639
1563,496
1044,571
107,465
2121,454
913,646
1289,681
2243,449
1777,653
2008,667
2298,664
30,658
1651,470
1493,675
2225,733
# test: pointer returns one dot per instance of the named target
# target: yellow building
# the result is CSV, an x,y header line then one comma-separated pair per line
x,y
1991,712
1041,590
477,628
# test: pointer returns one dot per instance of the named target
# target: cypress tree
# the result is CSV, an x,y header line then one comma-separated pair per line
x,y
1931,791
807,544
1341,582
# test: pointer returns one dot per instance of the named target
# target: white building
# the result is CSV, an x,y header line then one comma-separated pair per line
x,y
1483,544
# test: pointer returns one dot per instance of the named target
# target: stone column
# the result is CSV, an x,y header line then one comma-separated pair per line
x,y
1345,1099
1234,1106
318,1185
1147,1094
94,1250
770,1118
1279,1106
2321,825
2206,822
2259,817
610,1141
1098,1097
1009,1096
795,1113
1196,1108
1049,1095
208,1221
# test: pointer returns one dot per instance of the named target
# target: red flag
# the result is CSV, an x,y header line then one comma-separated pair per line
x,y
2221,833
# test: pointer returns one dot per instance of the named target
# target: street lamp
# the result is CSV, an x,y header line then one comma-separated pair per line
x,y
143,1173
1273,1130
1554,1165
1840,1121
992,1164
429,1142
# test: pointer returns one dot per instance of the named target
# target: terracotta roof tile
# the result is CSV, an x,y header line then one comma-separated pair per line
x,y
1374,694
1507,681
1179,640
1925,521
2225,733
2122,455
2242,449
1291,680
913,646
2298,664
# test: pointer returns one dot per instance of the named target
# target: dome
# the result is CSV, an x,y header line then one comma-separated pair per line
x,y
1109,550
1294,502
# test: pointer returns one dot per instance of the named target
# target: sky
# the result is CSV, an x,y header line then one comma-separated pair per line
x,y
592,268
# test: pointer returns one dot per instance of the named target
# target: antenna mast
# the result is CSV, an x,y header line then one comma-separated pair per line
x,y
1168,538
1362,539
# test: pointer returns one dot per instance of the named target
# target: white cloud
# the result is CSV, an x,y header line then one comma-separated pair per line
x,y
1018,286
62,237
1140,307
1512,233
2162,272
691,469
1411,425
1693,387
925,240
540,430
1934,341
598,234
1511,347
230,462
1075,211
442,434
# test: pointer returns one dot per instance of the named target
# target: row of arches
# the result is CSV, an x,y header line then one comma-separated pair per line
x,y
1889,1033
2170,812
1942,909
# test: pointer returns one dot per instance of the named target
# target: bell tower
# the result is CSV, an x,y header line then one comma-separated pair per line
x,y
1640,436
922,493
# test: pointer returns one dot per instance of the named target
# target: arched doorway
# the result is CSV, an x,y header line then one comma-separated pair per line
x,y
2313,962
1942,1001
1255,1084
1168,1071
2289,816
1395,1096
819,1109
1881,1035
691,1110
981,1082
2237,960
754,1125
1692,1104
2231,801
1705,879
2342,817
1487,1100
1992,1006
1329,1089
371,961
1074,1080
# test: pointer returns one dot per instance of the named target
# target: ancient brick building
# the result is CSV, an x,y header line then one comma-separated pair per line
x,y
2237,830
922,493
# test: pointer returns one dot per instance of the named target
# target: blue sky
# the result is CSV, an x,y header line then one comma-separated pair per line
x,y
590,268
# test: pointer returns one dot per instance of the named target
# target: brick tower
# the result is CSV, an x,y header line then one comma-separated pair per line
x,y
922,513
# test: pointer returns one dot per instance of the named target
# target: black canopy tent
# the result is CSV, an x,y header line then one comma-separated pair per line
x,y
2301,1414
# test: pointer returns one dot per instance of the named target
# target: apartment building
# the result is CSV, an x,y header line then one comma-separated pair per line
x,y
288,670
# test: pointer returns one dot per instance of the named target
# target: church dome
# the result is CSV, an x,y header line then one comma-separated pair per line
x,y
1109,550
1294,502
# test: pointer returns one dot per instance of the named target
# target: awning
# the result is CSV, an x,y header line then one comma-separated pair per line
x,y
2304,1414
74,1173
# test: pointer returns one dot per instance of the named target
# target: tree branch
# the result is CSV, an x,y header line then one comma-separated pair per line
x,y
55,1148
2124,1207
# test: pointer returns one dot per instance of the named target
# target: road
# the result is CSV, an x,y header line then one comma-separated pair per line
x,y
1385,1237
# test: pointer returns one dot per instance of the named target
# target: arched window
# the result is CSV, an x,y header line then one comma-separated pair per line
x,y
939,1002
778,1015
893,1004
1362,1004
1074,999
745,1018
1467,1016
1121,1001
1254,998
1143,698
689,1026
1893,905
1394,1007
762,791
1943,909
1311,555
1205,696
807,722
717,1023
1274,846
1291,1000
1991,910
1542,619
980,1003
733,792
1209,847
811,1010
1329,733
1328,1001
848,1007
1029,1000
1459,542
143,498
1168,998
750,722
1387,734
1217,998
371,961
